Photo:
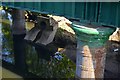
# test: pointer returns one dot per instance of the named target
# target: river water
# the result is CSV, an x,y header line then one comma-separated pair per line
x,y
64,68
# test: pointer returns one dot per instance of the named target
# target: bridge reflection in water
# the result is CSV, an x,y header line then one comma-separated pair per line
x,y
43,69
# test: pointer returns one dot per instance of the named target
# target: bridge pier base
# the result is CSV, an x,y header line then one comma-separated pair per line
x,y
91,50
19,32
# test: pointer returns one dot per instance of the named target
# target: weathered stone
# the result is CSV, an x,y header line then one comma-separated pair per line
x,y
31,35
115,36
18,26
64,38
42,33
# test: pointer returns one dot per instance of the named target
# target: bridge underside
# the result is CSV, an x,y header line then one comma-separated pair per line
x,y
97,13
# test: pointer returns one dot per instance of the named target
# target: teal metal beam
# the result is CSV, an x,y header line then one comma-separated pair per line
x,y
100,13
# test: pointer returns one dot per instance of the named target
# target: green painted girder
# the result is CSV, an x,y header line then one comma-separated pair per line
x,y
99,13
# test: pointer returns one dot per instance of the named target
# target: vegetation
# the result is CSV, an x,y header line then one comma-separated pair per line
x,y
50,69
64,68
7,43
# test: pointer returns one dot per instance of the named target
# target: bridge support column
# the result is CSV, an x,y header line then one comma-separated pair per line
x,y
91,50
84,63
19,32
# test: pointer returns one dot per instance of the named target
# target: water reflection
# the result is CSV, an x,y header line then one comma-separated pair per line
x,y
0,41
54,68
7,44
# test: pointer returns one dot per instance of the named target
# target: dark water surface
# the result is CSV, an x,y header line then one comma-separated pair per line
x,y
54,68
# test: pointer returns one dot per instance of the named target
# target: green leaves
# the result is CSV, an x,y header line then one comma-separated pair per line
x,y
50,69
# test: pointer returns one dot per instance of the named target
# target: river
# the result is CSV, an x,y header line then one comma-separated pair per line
x,y
64,68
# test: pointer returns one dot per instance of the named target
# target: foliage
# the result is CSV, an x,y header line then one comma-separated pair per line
x,y
44,69
50,69
7,42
